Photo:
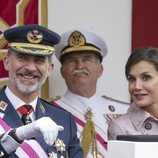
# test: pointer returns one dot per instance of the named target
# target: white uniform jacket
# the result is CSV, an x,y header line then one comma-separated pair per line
x,y
103,109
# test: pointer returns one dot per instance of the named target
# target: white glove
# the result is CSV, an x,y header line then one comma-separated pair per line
x,y
44,126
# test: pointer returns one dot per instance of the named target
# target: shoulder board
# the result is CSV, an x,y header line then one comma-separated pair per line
x,y
53,103
56,98
114,100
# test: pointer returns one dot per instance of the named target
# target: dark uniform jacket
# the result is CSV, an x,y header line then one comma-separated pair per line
x,y
60,116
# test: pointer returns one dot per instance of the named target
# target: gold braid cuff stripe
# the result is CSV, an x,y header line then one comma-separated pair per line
x,y
81,48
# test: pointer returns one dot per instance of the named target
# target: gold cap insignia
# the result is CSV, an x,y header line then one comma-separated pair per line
x,y
34,36
3,105
76,39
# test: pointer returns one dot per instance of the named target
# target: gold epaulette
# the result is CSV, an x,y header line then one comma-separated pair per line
x,y
54,99
114,100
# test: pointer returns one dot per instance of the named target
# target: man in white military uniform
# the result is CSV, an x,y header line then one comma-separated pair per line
x,y
81,53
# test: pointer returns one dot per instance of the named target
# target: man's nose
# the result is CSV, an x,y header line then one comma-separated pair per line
x,y
79,64
30,66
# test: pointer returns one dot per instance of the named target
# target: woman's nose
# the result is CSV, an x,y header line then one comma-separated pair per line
x,y
138,84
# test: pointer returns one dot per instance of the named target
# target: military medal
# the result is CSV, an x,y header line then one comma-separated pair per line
x,y
52,155
59,145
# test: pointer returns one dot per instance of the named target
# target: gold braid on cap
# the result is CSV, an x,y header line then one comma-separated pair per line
x,y
26,48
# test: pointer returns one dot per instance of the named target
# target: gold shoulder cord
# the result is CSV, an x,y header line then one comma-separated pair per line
x,y
89,136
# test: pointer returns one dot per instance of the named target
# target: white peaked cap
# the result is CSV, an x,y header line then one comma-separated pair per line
x,y
79,40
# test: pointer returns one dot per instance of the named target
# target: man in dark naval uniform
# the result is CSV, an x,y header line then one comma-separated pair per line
x,y
30,127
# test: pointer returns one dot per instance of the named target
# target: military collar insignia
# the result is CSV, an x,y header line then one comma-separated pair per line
x,y
3,105
42,108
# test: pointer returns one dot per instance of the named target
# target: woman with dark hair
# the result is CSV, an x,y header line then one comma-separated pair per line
x,y
142,117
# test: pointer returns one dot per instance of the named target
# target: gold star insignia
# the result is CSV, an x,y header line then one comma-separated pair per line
x,y
59,145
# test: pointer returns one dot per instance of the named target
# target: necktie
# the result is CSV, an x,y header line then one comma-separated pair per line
x,y
25,110
89,135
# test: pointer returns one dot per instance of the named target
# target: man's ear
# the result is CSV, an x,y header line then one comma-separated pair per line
x,y
6,63
101,68
50,69
62,71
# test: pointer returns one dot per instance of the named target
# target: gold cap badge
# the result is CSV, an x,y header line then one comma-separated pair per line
x,y
34,36
76,39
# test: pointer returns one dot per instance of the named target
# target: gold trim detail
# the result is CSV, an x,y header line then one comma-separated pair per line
x,y
81,48
21,49
89,136
28,45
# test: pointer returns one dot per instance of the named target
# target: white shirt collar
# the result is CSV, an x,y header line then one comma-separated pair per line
x,y
79,102
17,102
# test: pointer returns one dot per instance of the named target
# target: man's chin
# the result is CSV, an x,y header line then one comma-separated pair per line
x,y
27,89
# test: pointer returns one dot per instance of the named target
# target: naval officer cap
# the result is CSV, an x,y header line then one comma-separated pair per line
x,y
80,40
32,39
